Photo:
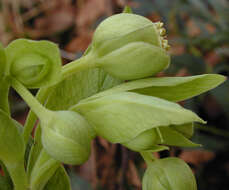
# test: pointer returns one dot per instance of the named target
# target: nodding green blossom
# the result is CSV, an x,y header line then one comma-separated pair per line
x,y
130,46
67,136
168,173
127,46
34,63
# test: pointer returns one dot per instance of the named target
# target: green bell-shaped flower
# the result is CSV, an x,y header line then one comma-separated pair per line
x,y
168,173
34,63
130,46
127,46
66,136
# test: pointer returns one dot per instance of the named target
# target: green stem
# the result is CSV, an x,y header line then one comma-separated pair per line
x,y
84,63
148,157
4,91
31,118
18,175
35,105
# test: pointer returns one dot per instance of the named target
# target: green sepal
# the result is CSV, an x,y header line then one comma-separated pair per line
x,y
168,174
34,63
135,60
145,141
133,114
119,25
171,137
66,136
169,88
186,129
143,34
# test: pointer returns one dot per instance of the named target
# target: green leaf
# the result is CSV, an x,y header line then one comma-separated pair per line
x,y
5,184
43,170
2,61
5,181
169,174
125,115
4,91
59,181
12,146
34,63
4,84
77,87
169,88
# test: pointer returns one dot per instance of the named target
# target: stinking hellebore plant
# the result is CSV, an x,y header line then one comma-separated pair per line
x,y
112,91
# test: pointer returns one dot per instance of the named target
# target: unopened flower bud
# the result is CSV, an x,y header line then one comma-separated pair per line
x,y
34,63
66,136
168,173
130,46
121,29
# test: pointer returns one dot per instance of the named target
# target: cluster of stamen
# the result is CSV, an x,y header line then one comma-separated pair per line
x,y
162,35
